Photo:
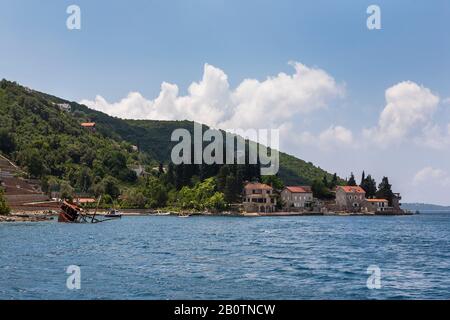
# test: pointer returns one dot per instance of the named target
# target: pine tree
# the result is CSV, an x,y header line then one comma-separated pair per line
x,y
352,181
363,178
171,174
325,181
370,186
385,191
222,177
230,189
334,181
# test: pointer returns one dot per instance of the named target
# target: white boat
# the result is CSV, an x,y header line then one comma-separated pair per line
x,y
113,213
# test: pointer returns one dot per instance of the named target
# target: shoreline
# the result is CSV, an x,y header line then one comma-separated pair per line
x,y
50,215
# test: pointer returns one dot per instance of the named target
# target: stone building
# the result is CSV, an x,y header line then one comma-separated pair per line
x,y
350,198
259,197
297,198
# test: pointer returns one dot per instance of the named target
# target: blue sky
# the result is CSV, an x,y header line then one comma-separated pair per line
x,y
134,46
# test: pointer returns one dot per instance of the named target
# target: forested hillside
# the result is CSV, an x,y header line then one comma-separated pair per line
x,y
43,134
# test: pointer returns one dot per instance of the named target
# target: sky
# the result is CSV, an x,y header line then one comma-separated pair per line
x,y
344,97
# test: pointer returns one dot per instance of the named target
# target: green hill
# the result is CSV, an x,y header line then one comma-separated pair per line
x,y
43,134
153,137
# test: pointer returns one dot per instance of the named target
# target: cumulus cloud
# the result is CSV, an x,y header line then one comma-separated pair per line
x,y
329,139
435,137
432,176
270,103
409,106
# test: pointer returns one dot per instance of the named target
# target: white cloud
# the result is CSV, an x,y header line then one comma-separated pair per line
x,y
253,104
409,106
435,137
329,139
432,176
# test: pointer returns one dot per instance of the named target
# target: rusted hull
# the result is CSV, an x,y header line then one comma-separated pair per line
x,y
65,218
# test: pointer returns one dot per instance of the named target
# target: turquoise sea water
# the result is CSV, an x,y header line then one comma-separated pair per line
x,y
229,258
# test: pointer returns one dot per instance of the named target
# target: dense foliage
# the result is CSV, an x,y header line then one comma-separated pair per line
x,y
51,144
48,141
4,209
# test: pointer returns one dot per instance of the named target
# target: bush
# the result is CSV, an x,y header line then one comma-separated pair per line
x,y
4,208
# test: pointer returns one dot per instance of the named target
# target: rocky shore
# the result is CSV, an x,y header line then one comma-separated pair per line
x,y
25,218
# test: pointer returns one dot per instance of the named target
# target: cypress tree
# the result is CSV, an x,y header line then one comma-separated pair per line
x,y
352,181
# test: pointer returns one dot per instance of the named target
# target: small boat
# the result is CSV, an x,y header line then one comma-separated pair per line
x,y
113,213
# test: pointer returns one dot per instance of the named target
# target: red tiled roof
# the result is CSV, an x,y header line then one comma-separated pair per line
x,y
298,189
377,200
261,186
88,124
352,189
85,200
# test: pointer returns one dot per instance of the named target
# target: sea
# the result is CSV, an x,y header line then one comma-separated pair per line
x,y
162,258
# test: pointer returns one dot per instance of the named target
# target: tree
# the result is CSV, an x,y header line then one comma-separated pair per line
x,y
4,208
224,172
325,181
7,142
369,185
35,163
363,178
108,186
334,181
230,189
385,191
156,193
66,191
320,190
161,169
352,181
273,181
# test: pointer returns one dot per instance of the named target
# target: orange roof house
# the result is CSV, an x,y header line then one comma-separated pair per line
x,y
351,189
297,197
299,189
350,198
89,125
257,186
258,197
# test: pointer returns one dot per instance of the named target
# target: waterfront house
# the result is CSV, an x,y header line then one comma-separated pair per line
x,y
396,205
297,197
259,197
350,198
377,205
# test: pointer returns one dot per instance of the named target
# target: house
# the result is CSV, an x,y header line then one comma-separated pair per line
x,y
396,205
297,197
84,201
377,205
350,198
64,107
259,197
89,125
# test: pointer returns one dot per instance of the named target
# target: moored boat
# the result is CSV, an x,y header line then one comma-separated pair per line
x,y
113,213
